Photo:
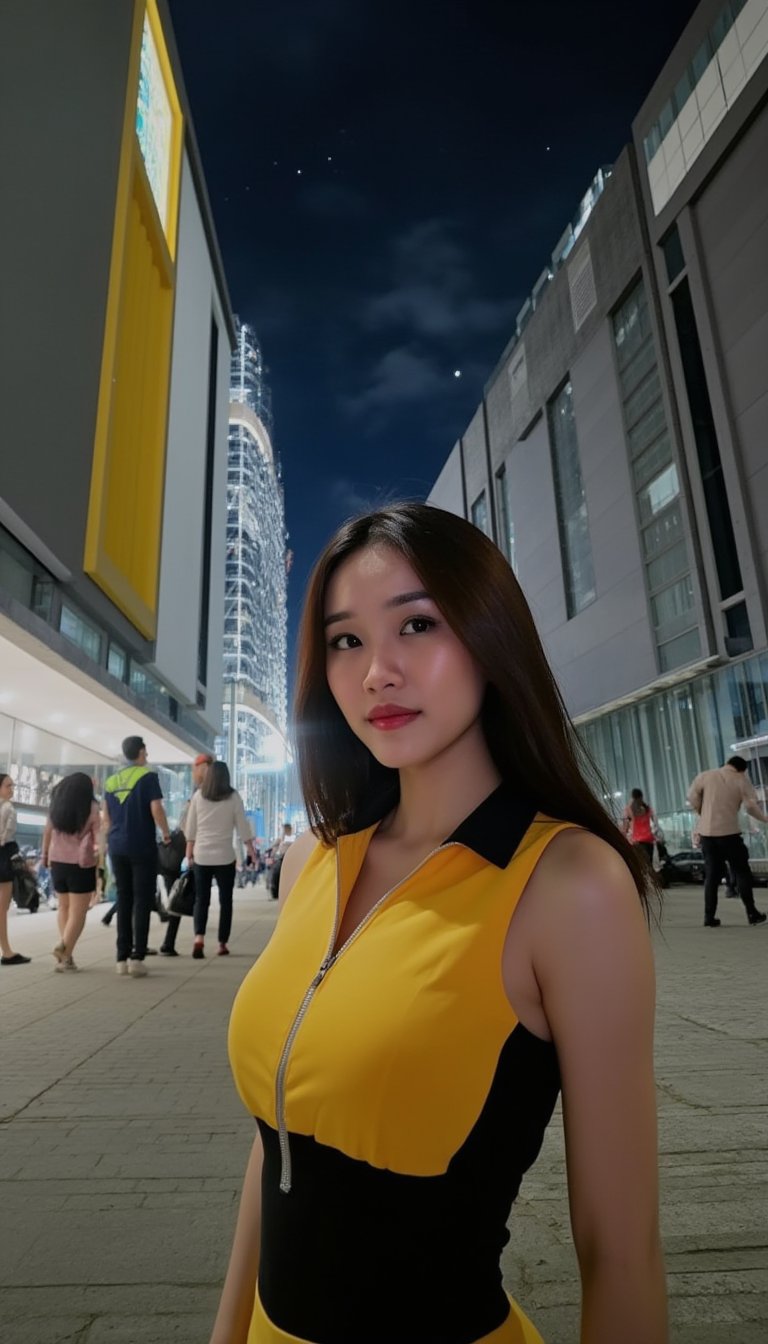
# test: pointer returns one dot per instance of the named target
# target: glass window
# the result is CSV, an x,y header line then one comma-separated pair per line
x,y
739,638
707,447
672,606
673,253
645,396
658,493
683,91
652,142
668,566
651,461
722,25
504,514
576,547
116,662
75,628
701,60
480,513
663,531
666,117
677,652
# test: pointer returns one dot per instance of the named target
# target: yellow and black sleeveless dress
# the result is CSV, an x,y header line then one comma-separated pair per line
x,y
399,1099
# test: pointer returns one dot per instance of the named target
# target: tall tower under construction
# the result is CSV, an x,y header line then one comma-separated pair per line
x,y
255,743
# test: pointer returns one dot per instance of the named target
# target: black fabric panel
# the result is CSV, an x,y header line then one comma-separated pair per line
x,y
355,1254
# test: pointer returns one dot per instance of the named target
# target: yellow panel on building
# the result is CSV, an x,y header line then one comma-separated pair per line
x,y
123,535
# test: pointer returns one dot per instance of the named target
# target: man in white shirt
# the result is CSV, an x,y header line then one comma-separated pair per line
x,y
717,796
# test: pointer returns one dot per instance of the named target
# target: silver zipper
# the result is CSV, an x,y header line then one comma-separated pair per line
x,y
328,961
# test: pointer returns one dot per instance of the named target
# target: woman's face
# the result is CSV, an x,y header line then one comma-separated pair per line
x,y
406,685
6,788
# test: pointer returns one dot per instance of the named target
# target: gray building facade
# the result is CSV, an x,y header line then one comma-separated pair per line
x,y
619,456
115,337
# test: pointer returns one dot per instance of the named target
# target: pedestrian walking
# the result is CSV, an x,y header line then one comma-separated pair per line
x,y
465,926
717,796
171,874
71,849
133,812
640,824
215,813
8,847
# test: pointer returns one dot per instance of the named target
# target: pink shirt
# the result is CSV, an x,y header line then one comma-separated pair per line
x,y
61,848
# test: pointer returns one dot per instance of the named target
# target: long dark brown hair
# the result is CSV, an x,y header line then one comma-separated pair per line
x,y
71,802
531,739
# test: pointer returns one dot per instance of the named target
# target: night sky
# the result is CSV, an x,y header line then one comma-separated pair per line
x,y
388,180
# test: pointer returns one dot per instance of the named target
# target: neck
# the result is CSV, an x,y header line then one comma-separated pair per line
x,y
437,796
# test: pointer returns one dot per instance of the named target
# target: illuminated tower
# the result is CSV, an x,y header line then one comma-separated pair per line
x,y
255,595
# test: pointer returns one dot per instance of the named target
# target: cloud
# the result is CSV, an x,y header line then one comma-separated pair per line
x,y
403,376
433,292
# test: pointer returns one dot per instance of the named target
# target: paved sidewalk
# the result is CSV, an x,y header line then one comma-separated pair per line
x,y
122,1141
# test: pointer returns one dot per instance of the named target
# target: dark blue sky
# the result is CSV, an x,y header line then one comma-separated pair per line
x,y
388,179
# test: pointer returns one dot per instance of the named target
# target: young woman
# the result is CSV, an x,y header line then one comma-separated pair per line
x,y
640,824
463,933
71,848
215,812
8,847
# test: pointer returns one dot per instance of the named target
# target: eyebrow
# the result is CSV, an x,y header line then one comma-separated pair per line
x,y
401,600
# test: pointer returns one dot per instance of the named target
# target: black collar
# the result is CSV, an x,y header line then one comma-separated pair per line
x,y
495,828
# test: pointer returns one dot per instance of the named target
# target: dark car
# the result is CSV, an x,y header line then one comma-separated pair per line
x,y
687,865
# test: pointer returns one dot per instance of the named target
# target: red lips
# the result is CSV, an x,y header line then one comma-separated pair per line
x,y
390,712
388,717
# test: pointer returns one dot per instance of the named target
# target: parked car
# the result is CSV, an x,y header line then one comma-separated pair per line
x,y
687,865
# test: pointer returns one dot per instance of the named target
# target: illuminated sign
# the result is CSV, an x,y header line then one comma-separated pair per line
x,y
154,122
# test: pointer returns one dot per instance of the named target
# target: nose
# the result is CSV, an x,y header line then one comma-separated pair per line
x,y
383,671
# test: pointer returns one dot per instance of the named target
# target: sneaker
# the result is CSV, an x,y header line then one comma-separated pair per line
x,y
122,968
137,969
60,953
198,951
711,923
168,952
66,965
223,950
757,917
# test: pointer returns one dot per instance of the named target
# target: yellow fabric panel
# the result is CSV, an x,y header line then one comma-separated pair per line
x,y
398,1049
517,1329
123,534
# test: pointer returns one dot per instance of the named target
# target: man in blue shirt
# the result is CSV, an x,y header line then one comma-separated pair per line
x,y
133,812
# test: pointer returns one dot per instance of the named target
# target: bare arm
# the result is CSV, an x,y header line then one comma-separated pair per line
x,y
160,819
596,975
236,1306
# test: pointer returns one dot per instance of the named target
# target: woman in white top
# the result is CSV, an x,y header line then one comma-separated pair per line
x,y
215,812
8,848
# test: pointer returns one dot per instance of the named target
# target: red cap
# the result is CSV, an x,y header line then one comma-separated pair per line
x,y
203,759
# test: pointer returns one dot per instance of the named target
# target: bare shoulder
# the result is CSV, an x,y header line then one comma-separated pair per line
x,y
586,904
295,858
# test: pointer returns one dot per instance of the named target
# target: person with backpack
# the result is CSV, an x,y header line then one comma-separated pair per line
x,y
70,849
639,824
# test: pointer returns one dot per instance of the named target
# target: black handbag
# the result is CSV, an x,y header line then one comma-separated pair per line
x,y
171,856
182,898
25,890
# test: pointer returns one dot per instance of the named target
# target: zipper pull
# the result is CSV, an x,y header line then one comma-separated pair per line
x,y
324,969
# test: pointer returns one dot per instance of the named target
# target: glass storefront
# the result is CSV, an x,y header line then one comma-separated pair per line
x,y
659,744
36,760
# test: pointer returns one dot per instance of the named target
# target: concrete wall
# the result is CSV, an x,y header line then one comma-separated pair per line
x,y
62,99
732,224
176,648
447,492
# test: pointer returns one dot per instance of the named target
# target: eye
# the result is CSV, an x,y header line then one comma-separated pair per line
x,y
419,625
343,642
